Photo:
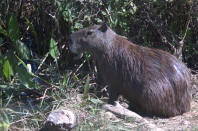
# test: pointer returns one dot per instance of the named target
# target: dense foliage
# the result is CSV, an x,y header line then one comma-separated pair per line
x,y
28,29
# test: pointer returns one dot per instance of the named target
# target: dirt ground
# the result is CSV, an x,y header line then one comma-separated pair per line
x,y
187,121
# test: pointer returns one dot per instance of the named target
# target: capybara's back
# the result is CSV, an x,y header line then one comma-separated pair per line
x,y
150,79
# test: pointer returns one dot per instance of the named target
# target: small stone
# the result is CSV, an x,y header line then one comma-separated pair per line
x,y
60,120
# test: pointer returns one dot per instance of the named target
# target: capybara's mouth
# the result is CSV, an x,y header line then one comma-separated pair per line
x,y
76,55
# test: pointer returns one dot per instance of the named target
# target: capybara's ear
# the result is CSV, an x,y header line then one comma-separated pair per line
x,y
103,27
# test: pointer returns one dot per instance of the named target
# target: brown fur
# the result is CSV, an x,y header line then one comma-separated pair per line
x,y
151,79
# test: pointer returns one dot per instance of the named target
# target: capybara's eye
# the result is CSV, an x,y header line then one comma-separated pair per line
x,y
89,33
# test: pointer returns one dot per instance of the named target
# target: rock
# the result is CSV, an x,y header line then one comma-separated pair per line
x,y
60,120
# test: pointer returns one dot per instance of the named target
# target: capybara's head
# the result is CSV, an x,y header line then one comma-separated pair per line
x,y
90,39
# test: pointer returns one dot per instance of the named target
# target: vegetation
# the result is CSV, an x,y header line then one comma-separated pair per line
x,y
38,73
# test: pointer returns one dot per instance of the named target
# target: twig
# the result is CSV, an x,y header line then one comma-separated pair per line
x,y
123,112
187,27
44,95
80,66
46,55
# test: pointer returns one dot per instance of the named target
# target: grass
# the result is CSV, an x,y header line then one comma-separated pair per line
x,y
69,90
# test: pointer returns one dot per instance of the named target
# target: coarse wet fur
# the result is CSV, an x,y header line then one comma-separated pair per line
x,y
150,79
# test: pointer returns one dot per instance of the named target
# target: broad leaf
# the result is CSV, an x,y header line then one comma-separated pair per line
x,y
54,52
13,28
7,70
25,78
12,60
22,49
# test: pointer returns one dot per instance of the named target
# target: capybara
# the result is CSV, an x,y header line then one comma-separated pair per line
x,y
150,79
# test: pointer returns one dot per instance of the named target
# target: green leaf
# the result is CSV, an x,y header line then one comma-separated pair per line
x,y
78,25
4,126
12,60
22,49
88,55
54,52
98,20
25,78
104,13
86,17
134,8
7,70
96,101
4,121
13,28
2,31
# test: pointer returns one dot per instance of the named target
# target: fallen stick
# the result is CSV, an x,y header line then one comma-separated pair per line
x,y
123,112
